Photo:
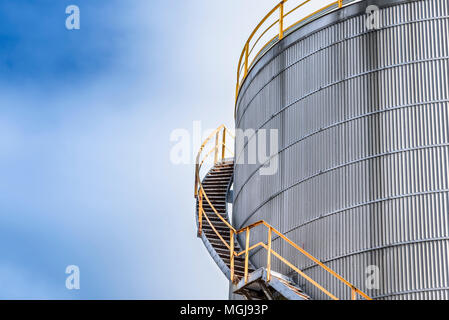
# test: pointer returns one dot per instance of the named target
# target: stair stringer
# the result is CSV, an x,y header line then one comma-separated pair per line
x,y
220,263
212,252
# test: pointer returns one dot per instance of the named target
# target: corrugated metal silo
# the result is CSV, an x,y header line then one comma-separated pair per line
x,y
363,120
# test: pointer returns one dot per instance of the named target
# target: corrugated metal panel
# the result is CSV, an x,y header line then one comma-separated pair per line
x,y
363,119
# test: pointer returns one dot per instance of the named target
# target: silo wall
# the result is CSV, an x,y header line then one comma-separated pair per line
x,y
363,130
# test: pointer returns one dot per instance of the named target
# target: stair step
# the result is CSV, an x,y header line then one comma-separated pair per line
x,y
211,197
210,234
219,246
215,204
215,187
240,263
216,242
222,229
227,169
223,172
214,184
224,166
226,251
218,224
214,218
221,178
218,207
219,175
215,193
211,213
220,210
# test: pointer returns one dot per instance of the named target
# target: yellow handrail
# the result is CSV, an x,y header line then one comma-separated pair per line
x,y
224,131
200,194
246,62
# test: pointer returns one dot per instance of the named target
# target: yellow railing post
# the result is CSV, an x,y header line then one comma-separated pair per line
x,y
246,58
353,294
269,255
232,255
340,3
246,255
200,218
237,89
216,148
281,20
197,167
223,144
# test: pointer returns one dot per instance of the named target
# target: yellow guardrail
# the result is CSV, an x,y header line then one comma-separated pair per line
x,y
253,48
224,132
220,145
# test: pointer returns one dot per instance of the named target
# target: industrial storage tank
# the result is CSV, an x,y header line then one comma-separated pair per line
x,y
363,159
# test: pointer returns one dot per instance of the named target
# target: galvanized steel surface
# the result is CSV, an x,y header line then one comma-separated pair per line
x,y
364,148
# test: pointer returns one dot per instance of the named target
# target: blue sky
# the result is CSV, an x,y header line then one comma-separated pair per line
x,y
85,120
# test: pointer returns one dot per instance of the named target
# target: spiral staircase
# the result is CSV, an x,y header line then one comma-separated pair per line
x,y
216,185
212,193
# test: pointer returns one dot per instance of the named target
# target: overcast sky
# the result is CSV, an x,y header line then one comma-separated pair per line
x,y
85,121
